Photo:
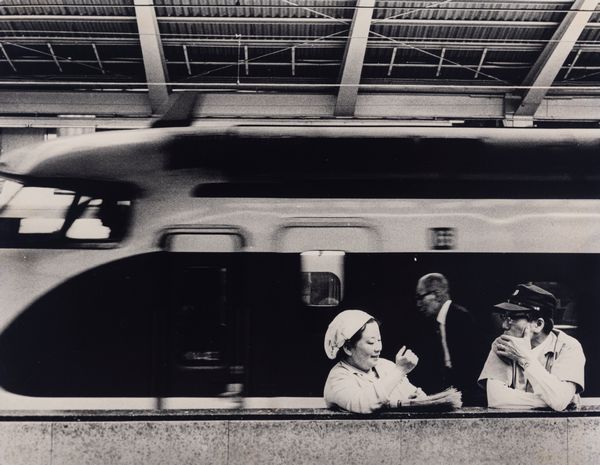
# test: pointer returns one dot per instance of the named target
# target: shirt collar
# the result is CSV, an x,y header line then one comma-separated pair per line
x,y
550,344
441,316
356,371
547,345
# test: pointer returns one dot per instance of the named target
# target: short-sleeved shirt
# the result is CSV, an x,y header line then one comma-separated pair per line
x,y
352,389
560,354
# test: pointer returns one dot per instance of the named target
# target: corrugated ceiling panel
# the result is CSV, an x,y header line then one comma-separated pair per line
x,y
257,8
70,7
498,11
463,33
590,35
71,28
304,31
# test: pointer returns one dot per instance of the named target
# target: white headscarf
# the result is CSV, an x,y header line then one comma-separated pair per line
x,y
343,327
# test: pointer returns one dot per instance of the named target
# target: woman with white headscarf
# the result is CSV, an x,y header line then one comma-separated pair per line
x,y
361,381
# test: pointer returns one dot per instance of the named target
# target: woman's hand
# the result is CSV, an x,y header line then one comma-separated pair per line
x,y
406,360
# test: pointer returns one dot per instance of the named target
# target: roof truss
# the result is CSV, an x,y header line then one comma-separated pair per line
x,y
544,71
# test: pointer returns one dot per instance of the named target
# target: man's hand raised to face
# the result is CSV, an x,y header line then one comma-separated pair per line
x,y
514,348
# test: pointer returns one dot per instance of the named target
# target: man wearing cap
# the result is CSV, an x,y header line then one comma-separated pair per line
x,y
455,349
532,364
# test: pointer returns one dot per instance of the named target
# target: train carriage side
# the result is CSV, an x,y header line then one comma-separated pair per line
x,y
169,276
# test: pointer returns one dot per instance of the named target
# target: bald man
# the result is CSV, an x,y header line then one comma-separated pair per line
x,y
455,344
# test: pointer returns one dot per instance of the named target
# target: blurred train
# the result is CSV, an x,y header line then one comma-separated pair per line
x,y
199,267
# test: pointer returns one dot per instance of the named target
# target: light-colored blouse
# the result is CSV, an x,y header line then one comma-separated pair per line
x,y
357,391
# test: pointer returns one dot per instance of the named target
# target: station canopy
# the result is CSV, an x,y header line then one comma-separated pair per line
x,y
516,62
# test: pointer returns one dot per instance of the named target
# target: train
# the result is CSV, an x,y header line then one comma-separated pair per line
x,y
198,267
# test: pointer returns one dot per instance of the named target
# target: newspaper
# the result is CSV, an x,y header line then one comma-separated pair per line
x,y
448,399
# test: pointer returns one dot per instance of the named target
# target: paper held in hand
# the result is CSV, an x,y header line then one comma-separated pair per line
x,y
448,399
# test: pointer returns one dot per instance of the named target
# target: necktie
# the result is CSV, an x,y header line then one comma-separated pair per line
x,y
447,360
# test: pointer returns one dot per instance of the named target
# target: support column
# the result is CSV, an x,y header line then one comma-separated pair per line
x,y
152,53
354,58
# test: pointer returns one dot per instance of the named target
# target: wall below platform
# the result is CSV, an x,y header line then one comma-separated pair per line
x,y
477,437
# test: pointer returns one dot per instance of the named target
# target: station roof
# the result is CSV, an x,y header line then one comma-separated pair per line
x,y
360,58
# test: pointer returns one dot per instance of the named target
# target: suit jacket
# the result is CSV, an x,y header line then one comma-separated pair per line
x,y
467,353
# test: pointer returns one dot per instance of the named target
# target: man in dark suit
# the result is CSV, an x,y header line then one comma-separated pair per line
x,y
455,349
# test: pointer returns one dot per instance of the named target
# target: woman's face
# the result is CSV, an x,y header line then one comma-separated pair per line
x,y
365,354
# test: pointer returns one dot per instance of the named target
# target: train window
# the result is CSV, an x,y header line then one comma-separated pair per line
x,y
33,216
321,289
322,277
202,240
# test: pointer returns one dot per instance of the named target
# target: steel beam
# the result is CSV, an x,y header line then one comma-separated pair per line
x,y
572,65
122,104
56,62
286,20
129,109
354,57
441,62
282,20
187,60
98,58
7,58
392,60
306,41
153,54
481,60
544,71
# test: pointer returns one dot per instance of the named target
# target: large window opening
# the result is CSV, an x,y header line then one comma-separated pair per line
x,y
36,216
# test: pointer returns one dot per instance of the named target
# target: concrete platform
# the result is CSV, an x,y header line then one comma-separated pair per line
x,y
301,436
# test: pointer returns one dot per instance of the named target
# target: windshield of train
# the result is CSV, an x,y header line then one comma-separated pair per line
x,y
40,216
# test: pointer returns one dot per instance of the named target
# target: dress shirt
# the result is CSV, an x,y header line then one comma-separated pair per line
x,y
441,319
541,384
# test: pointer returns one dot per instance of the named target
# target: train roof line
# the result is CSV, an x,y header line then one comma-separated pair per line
x,y
125,155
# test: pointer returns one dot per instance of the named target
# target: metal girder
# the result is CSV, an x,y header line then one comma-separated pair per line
x,y
54,57
547,66
59,122
441,62
98,58
153,54
187,60
123,104
7,58
572,65
392,60
285,20
307,42
354,57
113,109
481,60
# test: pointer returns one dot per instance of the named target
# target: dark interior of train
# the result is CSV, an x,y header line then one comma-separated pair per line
x,y
185,324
